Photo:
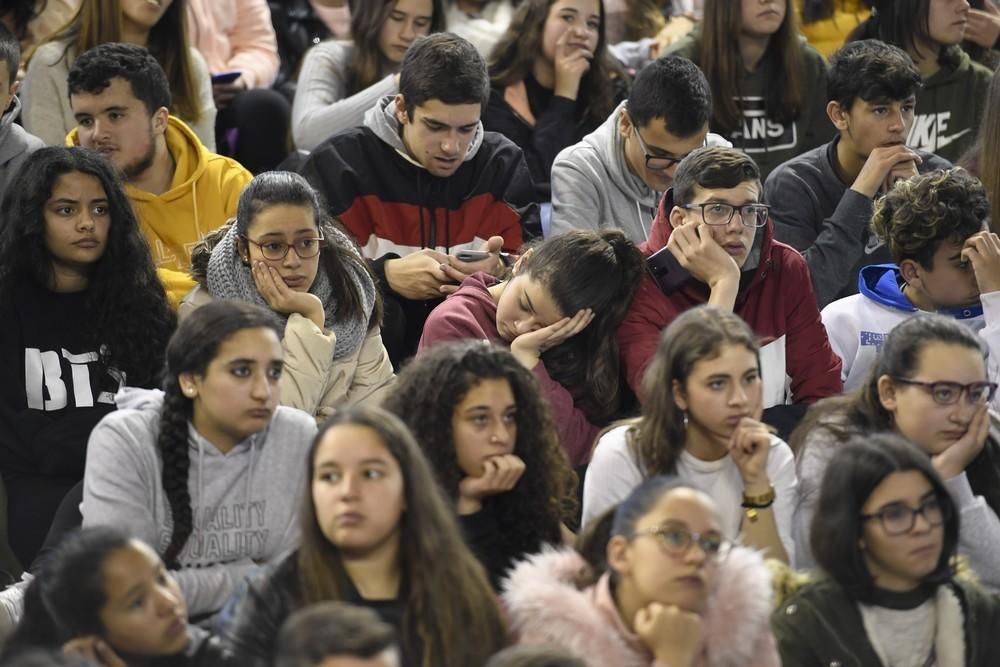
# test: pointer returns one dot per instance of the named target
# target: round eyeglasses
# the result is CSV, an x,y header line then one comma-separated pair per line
x,y
676,540
949,393
899,519
275,250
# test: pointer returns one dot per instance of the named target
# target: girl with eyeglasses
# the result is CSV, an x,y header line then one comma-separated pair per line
x,y
929,385
376,532
654,584
885,532
701,424
283,253
480,419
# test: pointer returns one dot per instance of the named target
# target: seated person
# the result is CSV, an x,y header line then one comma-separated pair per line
x,y
550,92
821,201
336,634
180,190
950,109
15,143
83,316
342,78
157,26
933,225
615,176
421,181
716,229
767,81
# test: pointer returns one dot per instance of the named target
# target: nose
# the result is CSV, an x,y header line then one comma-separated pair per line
x,y
261,387
349,485
500,436
166,600
738,395
291,259
408,32
526,326
695,554
85,221
449,143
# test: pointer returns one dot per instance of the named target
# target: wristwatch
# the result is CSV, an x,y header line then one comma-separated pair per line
x,y
751,504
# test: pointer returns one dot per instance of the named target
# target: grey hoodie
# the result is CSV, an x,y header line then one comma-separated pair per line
x,y
15,146
245,502
592,186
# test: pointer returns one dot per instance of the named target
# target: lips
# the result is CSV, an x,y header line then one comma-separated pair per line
x,y
734,249
294,281
177,627
693,581
349,519
260,413
87,243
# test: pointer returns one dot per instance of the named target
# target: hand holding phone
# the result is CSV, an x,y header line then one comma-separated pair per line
x,y
472,255
226,77
666,270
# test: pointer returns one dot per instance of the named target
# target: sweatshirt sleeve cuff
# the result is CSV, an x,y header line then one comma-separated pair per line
x,y
378,268
960,490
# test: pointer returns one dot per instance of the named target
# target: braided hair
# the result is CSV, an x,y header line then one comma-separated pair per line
x,y
191,349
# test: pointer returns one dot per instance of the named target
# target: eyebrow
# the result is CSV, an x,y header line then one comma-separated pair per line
x,y
957,255
729,203
304,230
531,306
433,121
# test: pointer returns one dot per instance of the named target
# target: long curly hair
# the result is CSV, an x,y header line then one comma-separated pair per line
x,y
600,271
658,438
191,349
513,58
367,19
131,318
425,396
449,607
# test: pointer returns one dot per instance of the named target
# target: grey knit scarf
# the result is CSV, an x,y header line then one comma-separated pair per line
x,y
230,278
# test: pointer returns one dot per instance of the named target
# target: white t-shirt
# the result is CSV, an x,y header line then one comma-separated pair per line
x,y
613,473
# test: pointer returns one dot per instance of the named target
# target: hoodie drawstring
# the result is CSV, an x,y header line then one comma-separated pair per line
x,y
201,485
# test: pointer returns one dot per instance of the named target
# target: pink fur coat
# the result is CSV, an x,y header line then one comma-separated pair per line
x,y
545,606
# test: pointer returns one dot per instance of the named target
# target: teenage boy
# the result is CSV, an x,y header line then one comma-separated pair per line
x,y
15,144
421,181
120,98
614,177
716,228
935,227
821,201
336,634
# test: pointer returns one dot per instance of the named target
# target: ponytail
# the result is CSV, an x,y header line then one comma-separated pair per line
x,y
173,445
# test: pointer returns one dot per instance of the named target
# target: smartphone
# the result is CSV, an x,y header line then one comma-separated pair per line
x,y
471,255
667,272
226,77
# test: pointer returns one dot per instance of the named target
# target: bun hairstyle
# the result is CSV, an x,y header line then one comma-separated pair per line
x,y
600,271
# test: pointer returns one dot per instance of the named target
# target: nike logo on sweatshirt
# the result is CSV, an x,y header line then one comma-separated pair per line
x,y
930,132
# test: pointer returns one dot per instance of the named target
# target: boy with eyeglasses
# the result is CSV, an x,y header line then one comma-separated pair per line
x,y
716,229
935,226
614,177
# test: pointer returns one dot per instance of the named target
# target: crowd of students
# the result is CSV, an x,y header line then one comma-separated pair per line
x,y
499,332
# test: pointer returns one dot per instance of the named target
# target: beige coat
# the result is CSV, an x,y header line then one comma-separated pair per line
x,y
312,380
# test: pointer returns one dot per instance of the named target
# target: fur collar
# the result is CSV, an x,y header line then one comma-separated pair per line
x,y
546,605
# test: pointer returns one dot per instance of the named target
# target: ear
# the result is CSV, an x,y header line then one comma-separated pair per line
x,y
242,250
838,115
624,124
677,217
617,554
15,88
401,114
910,271
517,265
190,384
678,390
887,393
160,117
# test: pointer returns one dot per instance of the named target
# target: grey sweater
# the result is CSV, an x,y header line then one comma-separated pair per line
x,y
593,187
15,146
815,212
322,105
245,502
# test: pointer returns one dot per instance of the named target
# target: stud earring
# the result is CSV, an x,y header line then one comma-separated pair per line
x,y
684,416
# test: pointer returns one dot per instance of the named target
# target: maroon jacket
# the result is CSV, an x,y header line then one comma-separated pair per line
x,y
471,313
776,299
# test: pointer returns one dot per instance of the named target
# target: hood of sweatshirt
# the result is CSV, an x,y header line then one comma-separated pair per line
x,y
9,146
609,145
381,119
882,283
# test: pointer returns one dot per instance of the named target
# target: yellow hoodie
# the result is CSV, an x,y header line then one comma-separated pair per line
x,y
828,35
202,196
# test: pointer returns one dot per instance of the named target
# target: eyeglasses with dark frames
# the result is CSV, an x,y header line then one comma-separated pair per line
x,y
899,519
274,250
676,540
720,213
949,393
655,162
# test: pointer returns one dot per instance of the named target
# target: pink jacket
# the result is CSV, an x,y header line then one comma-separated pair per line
x,y
545,606
235,35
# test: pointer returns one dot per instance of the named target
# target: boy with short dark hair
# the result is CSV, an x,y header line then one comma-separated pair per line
x,y
422,181
336,634
715,226
945,261
821,201
15,143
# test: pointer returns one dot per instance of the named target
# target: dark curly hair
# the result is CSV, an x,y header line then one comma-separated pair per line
x,y
192,348
425,396
131,318
92,72
920,213
872,71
